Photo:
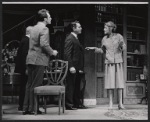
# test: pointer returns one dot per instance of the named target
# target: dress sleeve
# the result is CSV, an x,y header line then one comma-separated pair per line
x,y
103,46
122,44
101,49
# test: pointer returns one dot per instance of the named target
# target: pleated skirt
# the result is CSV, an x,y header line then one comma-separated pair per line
x,y
114,76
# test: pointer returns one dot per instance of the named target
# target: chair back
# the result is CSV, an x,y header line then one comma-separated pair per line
x,y
56,72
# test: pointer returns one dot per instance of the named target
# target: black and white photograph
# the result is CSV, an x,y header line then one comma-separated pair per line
x,y
75,60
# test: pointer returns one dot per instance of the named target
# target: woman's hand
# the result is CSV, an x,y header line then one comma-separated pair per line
x,y
97,50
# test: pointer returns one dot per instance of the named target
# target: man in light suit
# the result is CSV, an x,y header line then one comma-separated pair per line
x,y
37,58
73,53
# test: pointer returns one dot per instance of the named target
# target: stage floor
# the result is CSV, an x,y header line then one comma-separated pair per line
x,y
98,112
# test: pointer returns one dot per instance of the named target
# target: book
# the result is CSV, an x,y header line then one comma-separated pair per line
x,y
142,49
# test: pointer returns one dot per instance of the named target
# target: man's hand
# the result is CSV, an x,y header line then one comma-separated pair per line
x,y
26,72
55,52
80,71
72,70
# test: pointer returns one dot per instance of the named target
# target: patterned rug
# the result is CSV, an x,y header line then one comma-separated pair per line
x,y
128,114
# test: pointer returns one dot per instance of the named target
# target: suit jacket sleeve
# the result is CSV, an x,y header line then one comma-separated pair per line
x,y
102,46
18,59
68,52
44,41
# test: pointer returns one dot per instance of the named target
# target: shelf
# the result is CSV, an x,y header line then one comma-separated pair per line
x,y
131,26
136,40
135,67
105,12
134,16
133,81
131,53
104,23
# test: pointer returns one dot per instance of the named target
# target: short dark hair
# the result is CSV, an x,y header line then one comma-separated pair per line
x,y
73,24
70,27
42,14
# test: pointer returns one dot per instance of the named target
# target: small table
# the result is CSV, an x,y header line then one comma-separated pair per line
x,y
11,79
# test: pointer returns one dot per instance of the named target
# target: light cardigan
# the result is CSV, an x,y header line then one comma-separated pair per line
x,y
112,47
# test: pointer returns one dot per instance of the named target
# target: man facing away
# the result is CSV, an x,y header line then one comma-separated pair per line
x,y
37,58
73,53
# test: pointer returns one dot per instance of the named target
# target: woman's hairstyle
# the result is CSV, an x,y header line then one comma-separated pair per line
x,y
42,14
111,24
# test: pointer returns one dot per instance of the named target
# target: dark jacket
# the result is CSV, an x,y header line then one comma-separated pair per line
x,y
74,52
21,55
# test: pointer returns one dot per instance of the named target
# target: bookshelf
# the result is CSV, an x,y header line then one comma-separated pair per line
x,y
136,43
136,37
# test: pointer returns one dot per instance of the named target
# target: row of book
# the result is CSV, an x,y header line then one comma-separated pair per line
x,y
136,22
134,60
136,48
101,17
108,8
135,35
133,74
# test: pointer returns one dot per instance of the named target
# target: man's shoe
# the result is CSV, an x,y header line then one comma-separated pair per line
x,y
71,108
31,113
20,108
39,112
82,107
27,112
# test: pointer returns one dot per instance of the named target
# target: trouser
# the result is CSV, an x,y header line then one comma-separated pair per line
x,y
70,89
80,83
77,92
73,89
23,83
35,79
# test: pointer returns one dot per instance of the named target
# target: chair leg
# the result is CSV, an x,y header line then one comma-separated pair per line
x,y
60,97
35,105
38,102
63,99
45,104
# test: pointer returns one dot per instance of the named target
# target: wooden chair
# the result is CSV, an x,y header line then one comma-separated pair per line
x,y
55,74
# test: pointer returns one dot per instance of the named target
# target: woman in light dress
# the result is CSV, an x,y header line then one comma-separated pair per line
x,y
113,46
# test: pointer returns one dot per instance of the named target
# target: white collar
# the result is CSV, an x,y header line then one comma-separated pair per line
x,y
74,34
28,35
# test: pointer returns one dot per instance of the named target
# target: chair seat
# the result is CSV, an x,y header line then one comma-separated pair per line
x,y
49,90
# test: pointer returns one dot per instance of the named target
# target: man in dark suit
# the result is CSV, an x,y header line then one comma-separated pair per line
x,y
21,65
37,58
73,53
